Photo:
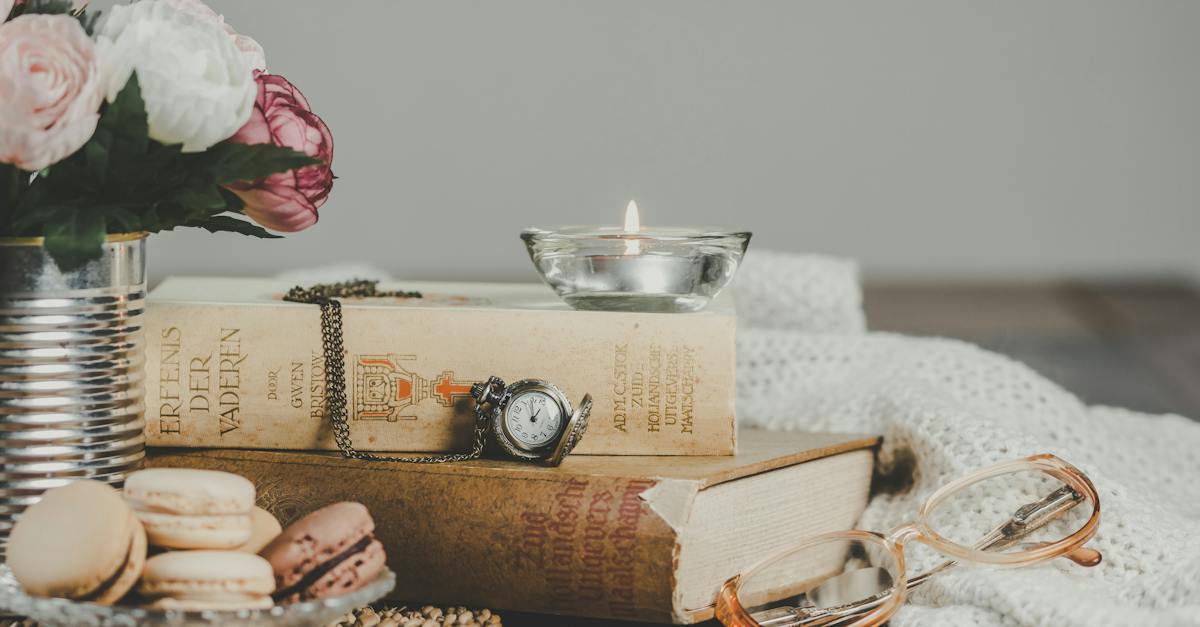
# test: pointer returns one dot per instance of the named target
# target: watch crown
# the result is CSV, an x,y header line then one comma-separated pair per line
x,y
478,390
485,392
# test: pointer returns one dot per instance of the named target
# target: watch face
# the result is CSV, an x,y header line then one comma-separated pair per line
x,y
533,419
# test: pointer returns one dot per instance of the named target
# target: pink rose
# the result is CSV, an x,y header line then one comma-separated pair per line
x,y
249,48
287,201
49,90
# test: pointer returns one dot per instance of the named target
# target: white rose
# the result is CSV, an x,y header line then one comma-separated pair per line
x,y
250,49
198,87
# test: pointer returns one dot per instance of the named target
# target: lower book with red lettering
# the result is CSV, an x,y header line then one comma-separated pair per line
x,y
624,537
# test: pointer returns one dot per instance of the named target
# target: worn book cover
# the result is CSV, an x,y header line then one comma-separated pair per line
x,y
628,537
232,365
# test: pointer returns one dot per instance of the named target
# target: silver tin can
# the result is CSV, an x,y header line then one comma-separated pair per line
x,y
71,380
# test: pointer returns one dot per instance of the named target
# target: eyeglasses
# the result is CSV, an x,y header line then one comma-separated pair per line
x,y
858,578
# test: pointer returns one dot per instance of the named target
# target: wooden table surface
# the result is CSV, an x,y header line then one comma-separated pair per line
x,y
1134,345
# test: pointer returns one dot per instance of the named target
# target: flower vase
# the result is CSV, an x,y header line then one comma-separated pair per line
x,y
71,381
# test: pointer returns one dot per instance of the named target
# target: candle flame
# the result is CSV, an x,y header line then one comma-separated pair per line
x,y
633,224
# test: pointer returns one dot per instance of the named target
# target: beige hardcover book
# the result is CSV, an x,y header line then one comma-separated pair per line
x,y
229,364
640,538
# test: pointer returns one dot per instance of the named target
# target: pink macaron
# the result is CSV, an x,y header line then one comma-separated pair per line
x,y
330,552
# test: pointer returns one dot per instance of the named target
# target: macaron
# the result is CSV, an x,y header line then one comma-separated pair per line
x,y
189,508
207,580
329,552
81,541
263,528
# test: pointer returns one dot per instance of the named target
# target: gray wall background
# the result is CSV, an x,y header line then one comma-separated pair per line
x,y
927,139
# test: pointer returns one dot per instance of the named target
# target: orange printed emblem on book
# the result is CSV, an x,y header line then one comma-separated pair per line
x,y
385,390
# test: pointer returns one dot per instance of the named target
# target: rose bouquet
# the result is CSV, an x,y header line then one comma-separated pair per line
x,y
153,116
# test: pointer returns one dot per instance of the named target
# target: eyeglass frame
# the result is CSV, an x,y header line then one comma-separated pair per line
x,y
731,613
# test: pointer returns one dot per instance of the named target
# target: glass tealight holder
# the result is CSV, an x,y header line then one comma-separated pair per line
x,y
665,270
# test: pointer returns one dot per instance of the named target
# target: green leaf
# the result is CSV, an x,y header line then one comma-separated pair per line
x,y
229,163
233,202
124,219
151,219
51,7
97,151
122,135
31,211
166,216
231,224
204,198
87,19
31,224
156,176
74,238
12,183
71,178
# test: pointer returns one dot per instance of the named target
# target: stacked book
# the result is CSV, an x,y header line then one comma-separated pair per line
x,y
661,503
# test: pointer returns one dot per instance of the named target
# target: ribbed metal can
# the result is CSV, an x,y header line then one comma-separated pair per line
x,y
71,380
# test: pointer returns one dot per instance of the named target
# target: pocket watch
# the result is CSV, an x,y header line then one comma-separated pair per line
x,y
531,419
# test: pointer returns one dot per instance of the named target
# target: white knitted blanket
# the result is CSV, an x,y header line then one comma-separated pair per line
x,y
806,362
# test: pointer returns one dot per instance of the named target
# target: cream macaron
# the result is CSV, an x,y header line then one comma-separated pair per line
x,y
264,528
80,541
207,580
189,508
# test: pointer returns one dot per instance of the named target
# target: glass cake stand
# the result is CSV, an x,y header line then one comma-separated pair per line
x,y
69,613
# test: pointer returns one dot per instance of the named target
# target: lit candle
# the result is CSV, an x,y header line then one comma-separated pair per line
x,y
633,225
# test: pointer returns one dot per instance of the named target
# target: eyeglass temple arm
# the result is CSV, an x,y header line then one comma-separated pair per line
x,y
1025,521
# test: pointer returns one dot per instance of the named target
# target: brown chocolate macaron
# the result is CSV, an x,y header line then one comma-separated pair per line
x,y
81,542
330,552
